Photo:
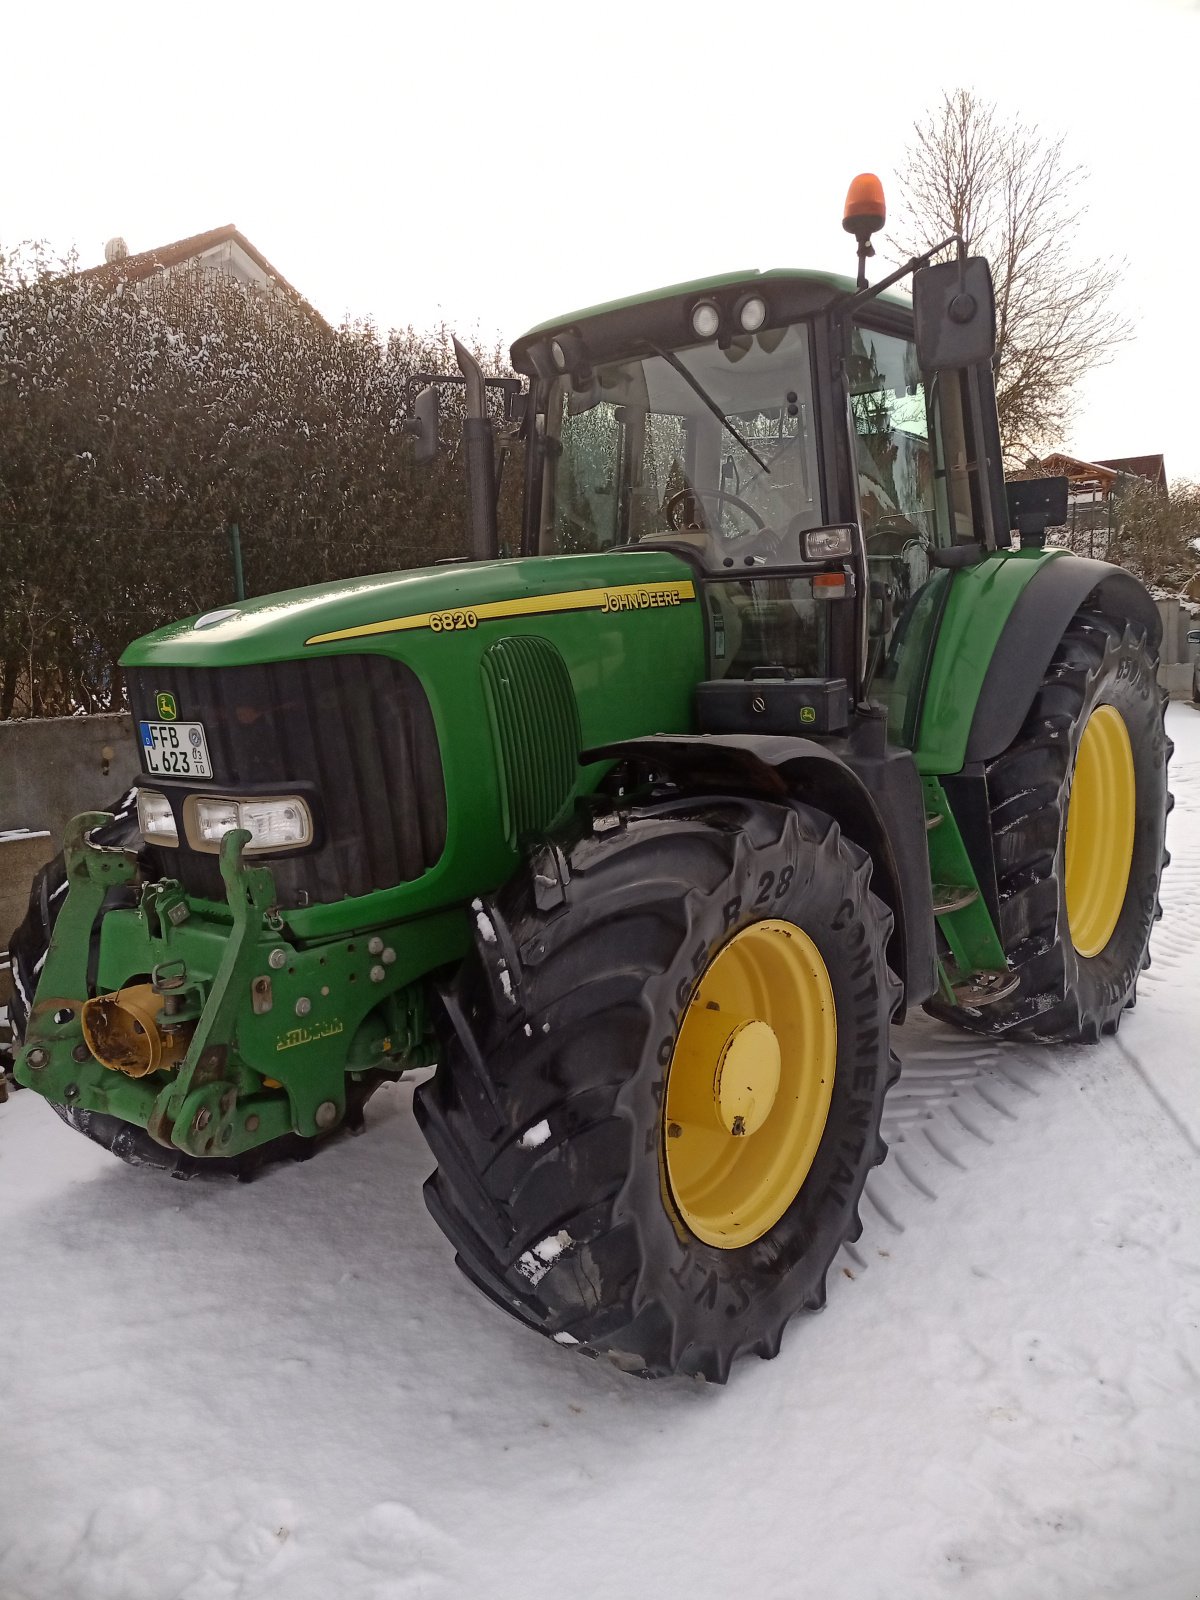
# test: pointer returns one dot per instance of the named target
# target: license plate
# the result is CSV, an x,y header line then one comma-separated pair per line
x,y
176,748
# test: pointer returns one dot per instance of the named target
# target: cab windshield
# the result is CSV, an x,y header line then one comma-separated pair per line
x,y
716,445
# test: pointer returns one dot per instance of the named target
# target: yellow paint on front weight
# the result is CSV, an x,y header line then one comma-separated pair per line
x,y
749,1084
1101,817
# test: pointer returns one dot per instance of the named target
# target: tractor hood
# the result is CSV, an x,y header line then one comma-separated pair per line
x,y
378,612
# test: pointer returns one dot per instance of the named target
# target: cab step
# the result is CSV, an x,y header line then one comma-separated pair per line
x,y
951,897
985,989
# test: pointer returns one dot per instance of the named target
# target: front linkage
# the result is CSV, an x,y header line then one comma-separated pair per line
x,y
223,988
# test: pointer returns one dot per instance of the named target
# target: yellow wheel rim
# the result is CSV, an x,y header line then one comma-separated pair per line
x,y
1100,823
749,1084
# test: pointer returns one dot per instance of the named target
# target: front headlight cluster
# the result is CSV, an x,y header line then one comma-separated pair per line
x,y
155,818
274,823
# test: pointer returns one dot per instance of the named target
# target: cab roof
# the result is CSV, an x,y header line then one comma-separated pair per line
x,y
833,283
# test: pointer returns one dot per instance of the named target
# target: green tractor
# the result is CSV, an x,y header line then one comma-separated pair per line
x,y
642,838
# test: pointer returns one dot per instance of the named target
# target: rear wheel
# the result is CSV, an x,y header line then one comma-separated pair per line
x,y
1078,810
660,1096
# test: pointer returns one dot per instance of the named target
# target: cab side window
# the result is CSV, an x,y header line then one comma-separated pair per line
x,y
914,493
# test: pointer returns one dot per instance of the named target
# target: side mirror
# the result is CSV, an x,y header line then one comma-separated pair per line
x,y
424,426
954,312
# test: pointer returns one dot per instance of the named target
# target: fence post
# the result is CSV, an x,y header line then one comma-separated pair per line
x,y
235,550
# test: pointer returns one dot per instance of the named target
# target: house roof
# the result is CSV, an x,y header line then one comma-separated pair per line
x,y
147,262
1072,467
1150,467
1105,473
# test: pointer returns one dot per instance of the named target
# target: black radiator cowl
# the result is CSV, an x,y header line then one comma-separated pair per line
x,y
354,732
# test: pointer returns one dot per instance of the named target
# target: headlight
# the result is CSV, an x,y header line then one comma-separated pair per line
x,y
155,818
283,823
752,313
706,319
827,544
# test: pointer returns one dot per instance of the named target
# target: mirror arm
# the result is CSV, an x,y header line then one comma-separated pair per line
x,y
851,302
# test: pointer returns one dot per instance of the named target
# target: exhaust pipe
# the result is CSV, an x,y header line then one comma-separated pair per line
x,y
122,1032
479,445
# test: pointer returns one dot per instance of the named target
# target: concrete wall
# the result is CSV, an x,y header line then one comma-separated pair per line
x,y
53,767
1177,655
50,769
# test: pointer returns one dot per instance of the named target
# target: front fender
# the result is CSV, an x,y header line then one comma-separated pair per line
x,y
875,798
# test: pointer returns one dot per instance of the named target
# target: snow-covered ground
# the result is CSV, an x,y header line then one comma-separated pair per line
x,y
286,1390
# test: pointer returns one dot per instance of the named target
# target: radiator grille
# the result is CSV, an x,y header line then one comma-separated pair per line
x,y
355,730
535,729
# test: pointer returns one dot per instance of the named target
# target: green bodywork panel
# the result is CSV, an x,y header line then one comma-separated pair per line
x,y
980,601
614,645
631,672
969,931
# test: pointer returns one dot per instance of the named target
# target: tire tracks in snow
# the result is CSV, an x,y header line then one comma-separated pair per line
x,y
960,1094
957,1096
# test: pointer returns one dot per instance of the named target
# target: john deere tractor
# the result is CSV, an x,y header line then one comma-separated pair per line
x,y
645,836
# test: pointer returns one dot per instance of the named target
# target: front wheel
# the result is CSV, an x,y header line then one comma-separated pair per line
x,y
661,1094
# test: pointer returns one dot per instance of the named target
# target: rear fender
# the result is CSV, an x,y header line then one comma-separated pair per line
x,y
1002,624
1031,635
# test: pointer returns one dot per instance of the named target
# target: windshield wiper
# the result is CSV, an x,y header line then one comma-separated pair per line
x,y
694,384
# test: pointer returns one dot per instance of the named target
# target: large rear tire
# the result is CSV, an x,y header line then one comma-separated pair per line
x,y
611,1170
1079,805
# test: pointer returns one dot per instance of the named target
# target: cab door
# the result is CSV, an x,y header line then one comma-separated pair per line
x,y
912,465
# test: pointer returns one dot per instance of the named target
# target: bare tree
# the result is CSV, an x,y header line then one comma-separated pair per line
x,y
1156,535
1008,190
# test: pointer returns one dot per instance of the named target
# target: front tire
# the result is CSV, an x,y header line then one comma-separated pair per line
x,y
555,1114
1079,805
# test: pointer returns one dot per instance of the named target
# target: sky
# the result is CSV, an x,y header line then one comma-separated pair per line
x,y
495,165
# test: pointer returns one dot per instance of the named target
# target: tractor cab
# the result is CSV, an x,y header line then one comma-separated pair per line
x,y
780,432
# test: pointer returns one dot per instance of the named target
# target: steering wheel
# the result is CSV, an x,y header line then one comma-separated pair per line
x,y
677,499
895,524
